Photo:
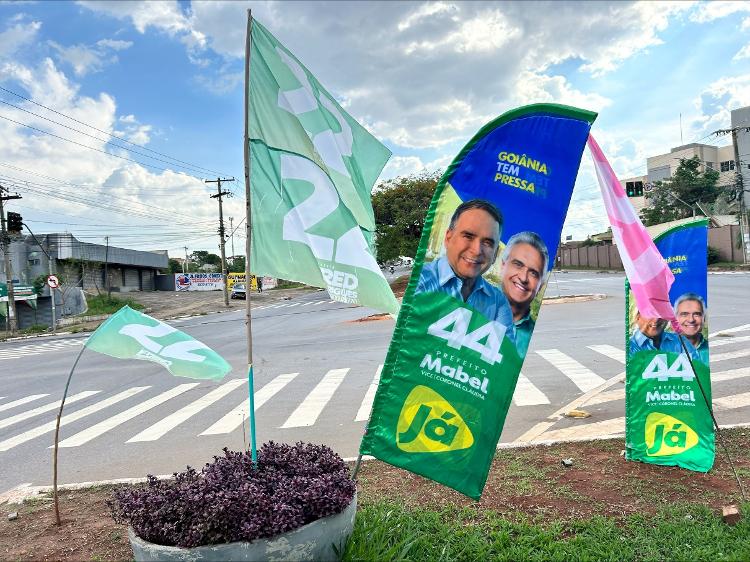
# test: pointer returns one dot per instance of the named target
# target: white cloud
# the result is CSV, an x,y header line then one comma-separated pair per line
x,y
532,87
165,15
716,102
709,11
17,36
43,167
85,59
487,31
115,44
401,166
424,11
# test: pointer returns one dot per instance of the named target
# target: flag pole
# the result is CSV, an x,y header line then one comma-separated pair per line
x,y
711,411
57,435
248,234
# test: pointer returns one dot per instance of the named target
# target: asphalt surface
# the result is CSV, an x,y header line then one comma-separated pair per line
x,y
314,367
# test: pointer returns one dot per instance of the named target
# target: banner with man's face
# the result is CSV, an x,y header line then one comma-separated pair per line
x,y
667,418
489,241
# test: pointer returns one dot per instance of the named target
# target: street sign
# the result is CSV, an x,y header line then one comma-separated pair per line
x,y
53,282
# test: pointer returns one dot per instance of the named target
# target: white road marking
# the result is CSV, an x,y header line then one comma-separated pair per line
x,y
527,394
606,428
363,414
160,428
732,402
234,419
308,411
102,427
718,342
50,426
731,374
581,376
21,401
295,304
743,328
610,351
715,357
46,408
323,301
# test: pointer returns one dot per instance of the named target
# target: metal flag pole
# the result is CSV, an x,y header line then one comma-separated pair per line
x,y
57,435
711,411
248,232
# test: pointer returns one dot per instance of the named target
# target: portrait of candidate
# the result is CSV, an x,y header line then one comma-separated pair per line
x,y
470,248
524,266
690,311
649,335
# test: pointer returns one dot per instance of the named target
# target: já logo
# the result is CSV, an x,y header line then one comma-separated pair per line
x,y
666,435
429,424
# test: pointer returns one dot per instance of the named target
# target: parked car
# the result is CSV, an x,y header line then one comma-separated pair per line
x,y
238,291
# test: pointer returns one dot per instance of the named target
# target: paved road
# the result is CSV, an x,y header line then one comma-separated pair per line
x,y
316,366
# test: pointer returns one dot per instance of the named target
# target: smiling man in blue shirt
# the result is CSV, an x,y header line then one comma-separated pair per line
x,y
471,247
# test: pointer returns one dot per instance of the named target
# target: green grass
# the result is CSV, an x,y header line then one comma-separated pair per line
x,y
284,284
387,530
35,329
101,304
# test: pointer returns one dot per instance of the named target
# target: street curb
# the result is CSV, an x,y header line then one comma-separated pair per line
x,y
23,492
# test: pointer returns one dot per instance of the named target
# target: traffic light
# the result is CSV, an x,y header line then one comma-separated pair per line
x,y
15,222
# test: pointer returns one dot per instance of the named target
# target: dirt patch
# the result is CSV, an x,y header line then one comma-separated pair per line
x,y
374,317
399,285
525,483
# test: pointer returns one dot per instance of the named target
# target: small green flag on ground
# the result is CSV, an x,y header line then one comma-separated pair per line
x,y
129,334
312,169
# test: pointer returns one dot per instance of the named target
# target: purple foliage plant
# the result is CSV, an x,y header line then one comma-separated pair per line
x,y
231,500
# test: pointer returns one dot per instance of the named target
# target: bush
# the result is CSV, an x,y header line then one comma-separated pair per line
x,y
713,255
102,304
231,500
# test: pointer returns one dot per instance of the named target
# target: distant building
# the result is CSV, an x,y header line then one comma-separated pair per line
x,y
719,158
81,266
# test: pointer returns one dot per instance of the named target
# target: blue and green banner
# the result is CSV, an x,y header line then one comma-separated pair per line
x,y
667,417
489,241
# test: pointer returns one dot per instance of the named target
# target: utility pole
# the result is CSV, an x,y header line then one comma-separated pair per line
x,y
740,188
219,195
106,267
5,239
231,233
187,263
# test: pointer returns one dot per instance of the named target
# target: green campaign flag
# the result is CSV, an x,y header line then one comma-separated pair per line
x,y
129,334
468,314
667,420
312,168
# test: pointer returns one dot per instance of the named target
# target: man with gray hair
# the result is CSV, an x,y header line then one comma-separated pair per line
x,y
690,311
524,266
471,245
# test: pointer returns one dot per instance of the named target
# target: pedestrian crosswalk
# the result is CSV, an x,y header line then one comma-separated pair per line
x,y
38,348
302,399
295,304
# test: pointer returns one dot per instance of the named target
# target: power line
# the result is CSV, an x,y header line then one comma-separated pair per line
x,y
100,130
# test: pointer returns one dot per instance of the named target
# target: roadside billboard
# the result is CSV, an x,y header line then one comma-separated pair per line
x,y
198,282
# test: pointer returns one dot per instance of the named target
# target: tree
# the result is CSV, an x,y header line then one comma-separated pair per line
x,y
237,265
687,190
174,266
400,207
202,257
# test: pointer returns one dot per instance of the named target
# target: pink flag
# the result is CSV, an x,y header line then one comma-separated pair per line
x,y
649,275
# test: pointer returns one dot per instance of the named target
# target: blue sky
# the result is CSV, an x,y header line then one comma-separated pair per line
x,y
423,77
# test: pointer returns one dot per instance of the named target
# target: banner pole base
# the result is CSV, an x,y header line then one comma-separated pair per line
x,y
716,423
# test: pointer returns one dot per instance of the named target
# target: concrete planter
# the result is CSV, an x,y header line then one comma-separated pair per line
x,y
323,539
